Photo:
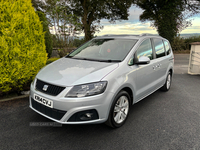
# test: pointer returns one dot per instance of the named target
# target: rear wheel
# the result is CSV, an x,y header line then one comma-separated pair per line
x,y
119,110
167,84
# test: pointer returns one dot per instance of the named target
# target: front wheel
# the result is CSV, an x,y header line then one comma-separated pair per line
x,y
119,110
167,84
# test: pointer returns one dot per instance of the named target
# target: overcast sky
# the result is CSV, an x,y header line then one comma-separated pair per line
x,y
134,26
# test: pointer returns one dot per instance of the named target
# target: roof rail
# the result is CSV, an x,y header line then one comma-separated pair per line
x,y
147,34
120,35
143,34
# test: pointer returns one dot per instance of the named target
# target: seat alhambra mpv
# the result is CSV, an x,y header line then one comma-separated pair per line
x,y
100,80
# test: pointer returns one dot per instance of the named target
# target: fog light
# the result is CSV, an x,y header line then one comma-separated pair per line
x,y
89,115
85,115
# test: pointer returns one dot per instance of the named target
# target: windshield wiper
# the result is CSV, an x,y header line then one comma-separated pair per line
x,y
110,60
99,60
83,58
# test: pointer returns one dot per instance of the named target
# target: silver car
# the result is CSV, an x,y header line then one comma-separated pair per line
x,y
100,80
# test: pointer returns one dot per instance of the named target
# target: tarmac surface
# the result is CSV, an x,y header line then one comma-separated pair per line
x,y
162,121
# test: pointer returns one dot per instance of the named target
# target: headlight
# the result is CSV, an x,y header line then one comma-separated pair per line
x,y
87,89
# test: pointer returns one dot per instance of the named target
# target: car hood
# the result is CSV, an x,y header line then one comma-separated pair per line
x,y
69,72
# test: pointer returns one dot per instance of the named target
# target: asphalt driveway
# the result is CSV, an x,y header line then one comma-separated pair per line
x,y
162,121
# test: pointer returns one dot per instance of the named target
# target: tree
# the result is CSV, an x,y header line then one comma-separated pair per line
x,y
92,11
65,24
169,17
45,22
36,4
22,45
48,36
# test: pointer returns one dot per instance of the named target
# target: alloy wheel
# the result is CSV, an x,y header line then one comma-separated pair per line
x,y
121,109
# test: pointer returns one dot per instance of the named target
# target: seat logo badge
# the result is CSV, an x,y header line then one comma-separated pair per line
x,y
45,87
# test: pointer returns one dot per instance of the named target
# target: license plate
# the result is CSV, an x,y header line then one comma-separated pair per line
x,y
43,101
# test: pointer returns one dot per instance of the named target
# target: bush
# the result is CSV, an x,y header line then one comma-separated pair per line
x,y
50,60
22,45
191,40
78,42
178,43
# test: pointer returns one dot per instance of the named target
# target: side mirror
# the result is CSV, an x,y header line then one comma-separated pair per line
x,y
143,60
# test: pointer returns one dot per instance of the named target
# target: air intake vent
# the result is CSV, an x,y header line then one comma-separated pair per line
x,y
51,112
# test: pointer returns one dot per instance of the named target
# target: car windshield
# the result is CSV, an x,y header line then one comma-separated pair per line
x,y
106,50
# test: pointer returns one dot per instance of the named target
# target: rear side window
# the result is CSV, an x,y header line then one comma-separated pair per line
x,y
145,49
159,48
167,47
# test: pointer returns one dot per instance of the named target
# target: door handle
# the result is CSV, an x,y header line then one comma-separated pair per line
x,y
154,68
159,65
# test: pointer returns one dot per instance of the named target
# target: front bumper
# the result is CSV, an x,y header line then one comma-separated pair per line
x,y
64,108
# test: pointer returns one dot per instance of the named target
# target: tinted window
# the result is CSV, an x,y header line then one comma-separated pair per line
x,y
104,49
167,48
145,49
159,48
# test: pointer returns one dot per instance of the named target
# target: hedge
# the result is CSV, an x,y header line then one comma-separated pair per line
x,y
22,44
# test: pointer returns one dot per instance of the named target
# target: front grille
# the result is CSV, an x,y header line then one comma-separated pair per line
x,y
51,112
51,90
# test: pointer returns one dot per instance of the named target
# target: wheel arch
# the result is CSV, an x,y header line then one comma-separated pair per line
x,y
171,71
128,88
129,91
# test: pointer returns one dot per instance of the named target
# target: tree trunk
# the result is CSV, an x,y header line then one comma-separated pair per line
x,y
88,35
86,21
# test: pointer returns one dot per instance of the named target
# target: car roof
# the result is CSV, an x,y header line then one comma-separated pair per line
x,y
129,36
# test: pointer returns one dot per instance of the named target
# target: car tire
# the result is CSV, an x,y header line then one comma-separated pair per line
x,y
119,110
167,84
